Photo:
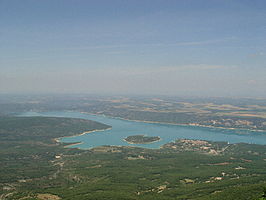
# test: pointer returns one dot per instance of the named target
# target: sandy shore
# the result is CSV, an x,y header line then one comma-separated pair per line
x,y
70,145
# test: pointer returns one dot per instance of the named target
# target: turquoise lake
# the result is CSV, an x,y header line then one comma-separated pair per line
x,y
123,128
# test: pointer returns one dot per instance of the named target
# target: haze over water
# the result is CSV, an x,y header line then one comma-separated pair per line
x,y
123,128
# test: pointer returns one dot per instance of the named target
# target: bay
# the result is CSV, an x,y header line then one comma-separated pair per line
x,y
167,132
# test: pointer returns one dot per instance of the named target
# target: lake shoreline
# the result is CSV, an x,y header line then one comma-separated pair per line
x,y
172,132
58,140
176,124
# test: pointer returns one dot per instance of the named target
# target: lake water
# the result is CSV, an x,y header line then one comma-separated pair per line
x,y
123,128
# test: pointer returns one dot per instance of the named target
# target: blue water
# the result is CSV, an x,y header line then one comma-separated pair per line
x,y
123,128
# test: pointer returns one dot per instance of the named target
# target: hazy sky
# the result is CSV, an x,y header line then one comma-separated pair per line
x,y
173,47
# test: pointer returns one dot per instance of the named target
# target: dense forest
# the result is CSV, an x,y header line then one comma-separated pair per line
x,y
35,166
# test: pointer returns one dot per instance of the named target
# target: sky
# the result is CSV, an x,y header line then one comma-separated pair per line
x,y
136,47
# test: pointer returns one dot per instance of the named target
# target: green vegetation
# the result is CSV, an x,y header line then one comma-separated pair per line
x,y
43,129
141,139
27,146
34,166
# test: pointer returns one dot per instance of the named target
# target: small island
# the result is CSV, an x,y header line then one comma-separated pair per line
x,y
141,139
